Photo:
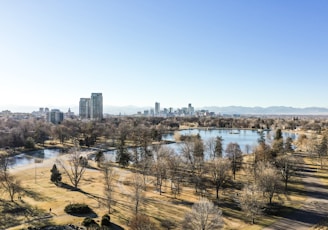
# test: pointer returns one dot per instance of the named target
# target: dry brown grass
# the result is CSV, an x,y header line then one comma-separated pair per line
x,y
46,195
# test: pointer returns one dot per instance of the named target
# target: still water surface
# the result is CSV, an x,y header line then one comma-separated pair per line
x,y
242,137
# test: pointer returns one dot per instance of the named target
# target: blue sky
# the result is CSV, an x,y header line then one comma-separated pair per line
x,y
208,53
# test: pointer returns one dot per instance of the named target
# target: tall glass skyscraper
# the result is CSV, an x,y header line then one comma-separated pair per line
x,y
157,108
84,108
96,106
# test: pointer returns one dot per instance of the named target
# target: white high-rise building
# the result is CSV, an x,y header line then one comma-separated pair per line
x,y
157,108
84,108
55,116
96,106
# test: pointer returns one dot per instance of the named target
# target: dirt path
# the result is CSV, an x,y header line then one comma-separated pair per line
x,y
315,207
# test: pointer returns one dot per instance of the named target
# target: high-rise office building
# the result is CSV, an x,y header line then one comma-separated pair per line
x,y
190,109
157,108
84,108
55,116
96,106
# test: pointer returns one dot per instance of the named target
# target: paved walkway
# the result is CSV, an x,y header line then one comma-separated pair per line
x,y
315,207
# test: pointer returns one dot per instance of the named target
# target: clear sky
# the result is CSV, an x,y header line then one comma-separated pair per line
x,y
136,52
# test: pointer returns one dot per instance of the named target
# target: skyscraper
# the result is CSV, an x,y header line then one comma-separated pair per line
x,y
84,108
157,108
96,106
55,116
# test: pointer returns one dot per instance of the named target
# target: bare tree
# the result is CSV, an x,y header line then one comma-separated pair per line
x,y
186,149
210,147
214,147
288,166
268,179
9,183
204,215
138,192
141,222
251,201
160,166
175,166
108,174
322,149
76,166
262,152
248,148
219,170
235,156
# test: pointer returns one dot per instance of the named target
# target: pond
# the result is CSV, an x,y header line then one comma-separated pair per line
x,y
242,137
33,156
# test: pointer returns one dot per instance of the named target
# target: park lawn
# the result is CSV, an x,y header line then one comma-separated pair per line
x,y
45,195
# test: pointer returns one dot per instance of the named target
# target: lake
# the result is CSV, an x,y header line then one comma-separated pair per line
x,y
32,156
242,137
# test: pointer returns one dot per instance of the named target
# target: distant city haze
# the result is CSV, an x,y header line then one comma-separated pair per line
x,y
213,53
132,110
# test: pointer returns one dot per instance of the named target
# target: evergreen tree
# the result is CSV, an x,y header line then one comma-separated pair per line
x,y
218,146
278,135
289,145
55,175
123,156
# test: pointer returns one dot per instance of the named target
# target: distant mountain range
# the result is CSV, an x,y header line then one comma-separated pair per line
x,y
272,110
130,110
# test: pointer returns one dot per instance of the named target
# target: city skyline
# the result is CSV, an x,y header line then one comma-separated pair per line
x,y
218,53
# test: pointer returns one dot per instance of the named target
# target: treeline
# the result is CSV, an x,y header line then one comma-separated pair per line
x,y
27,133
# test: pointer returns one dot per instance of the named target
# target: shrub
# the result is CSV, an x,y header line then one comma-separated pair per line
x,y
77,209
55,175
29,143
105,221
141,222
90,223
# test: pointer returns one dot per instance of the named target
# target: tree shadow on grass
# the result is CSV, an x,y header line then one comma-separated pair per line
x,y
35,195
310,216
72,188
15,213
40,222
182,202
91,214
7,221
68,187
115,227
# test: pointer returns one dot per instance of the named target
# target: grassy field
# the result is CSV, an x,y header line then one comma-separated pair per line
x,y
33,209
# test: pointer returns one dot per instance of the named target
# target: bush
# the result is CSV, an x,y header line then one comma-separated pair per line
x,y
29,143
105,221
77,209
55,175
141,222
90,223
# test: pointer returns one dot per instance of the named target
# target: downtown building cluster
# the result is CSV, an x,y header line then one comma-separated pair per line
x,y
167,112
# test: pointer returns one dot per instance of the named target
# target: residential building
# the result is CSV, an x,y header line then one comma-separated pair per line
x,y
84,108
157,108
55,116
96,106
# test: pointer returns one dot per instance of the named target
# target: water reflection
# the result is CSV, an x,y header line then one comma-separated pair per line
x,y
30,157
242,137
